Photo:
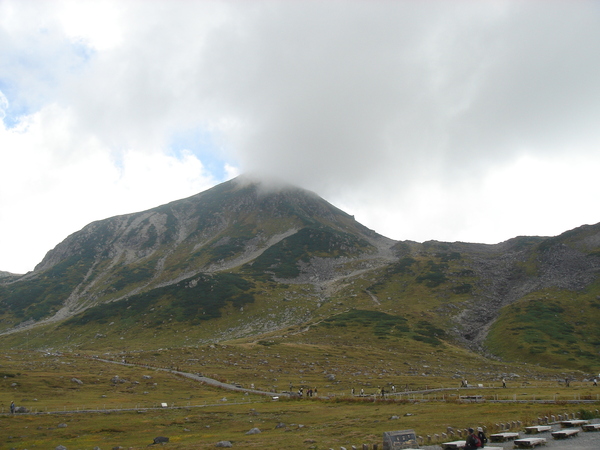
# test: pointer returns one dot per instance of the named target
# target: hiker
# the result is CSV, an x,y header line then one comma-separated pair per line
x,y
595,382
503,383
482,437
12,407
472,442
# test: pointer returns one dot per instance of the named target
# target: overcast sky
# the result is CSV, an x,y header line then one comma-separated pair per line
x,y
470,121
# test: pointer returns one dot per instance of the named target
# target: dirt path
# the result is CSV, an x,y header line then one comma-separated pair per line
x,y
200,378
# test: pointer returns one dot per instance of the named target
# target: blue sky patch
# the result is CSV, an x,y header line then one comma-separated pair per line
x,y
201,143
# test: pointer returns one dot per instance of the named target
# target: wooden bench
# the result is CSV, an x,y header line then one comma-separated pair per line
x,y
529,442
566,433
573,423
537,429
503,437
591,427
453,445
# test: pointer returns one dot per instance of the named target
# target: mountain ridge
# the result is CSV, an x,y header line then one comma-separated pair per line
x,y
243,258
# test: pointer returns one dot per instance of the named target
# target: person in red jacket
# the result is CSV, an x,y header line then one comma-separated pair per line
x,y
473,442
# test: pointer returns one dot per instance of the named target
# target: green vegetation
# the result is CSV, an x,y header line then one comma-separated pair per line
x,y
554,328
428,333
434,276
129,277
42,295
282,259
384,326
381,324
193,300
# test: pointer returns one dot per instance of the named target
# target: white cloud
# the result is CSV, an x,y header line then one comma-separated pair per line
x,y
54,181
97,23
531,195
427,120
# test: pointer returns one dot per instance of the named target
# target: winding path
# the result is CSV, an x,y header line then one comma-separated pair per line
x,y
200,378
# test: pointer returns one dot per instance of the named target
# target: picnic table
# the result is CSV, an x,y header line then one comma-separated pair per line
x,y
503,437
566,433
591,427
573,423
453,445
529,442
537,429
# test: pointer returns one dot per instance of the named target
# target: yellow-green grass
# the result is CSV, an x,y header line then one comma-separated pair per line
x,y
307,424
48,383
129,414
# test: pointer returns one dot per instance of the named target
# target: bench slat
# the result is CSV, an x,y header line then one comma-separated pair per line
x,y
529,442
573,423
453,445
502,437
567,432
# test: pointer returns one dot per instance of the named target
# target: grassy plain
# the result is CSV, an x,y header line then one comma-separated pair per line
x,y
81,405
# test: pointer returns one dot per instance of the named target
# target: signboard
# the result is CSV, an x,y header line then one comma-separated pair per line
x,y
393,440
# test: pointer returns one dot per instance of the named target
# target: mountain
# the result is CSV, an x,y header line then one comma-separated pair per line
x,y
255,260
240,232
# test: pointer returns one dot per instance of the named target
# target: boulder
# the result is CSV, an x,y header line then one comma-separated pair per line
x,y
223,444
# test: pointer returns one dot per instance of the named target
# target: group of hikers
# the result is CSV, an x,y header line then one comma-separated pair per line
x,y
379,393
475,440
309,392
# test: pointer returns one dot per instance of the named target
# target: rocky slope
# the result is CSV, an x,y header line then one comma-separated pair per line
x,y
245,258
234,224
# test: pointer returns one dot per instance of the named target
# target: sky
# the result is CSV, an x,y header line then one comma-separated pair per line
x,y
473,121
